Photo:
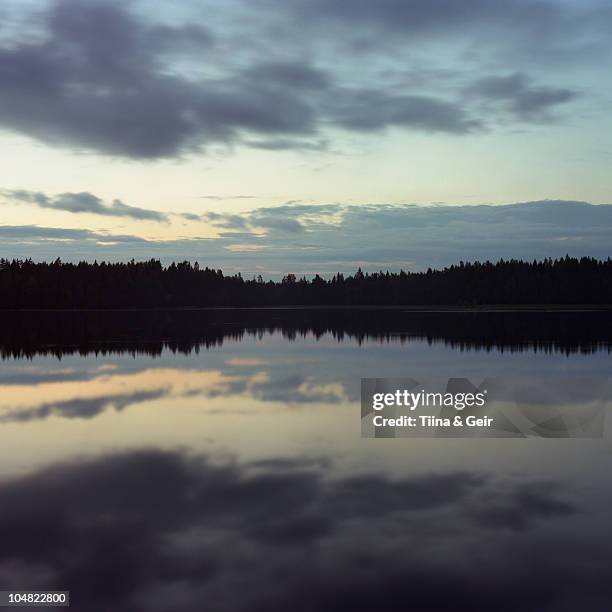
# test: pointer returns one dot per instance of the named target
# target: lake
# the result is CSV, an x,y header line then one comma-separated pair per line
x,y
213,460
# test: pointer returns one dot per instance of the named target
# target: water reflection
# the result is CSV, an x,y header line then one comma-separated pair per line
x,y
186,463
24,334
168,531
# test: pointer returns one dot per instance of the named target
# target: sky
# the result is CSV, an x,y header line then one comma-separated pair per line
x,y
305,136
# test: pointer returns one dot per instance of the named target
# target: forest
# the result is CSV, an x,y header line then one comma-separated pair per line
x,y
25,284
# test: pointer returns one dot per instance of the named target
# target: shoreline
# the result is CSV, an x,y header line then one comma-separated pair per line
x,y
399,308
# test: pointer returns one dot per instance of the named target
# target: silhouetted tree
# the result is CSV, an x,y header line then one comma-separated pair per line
x,y
147,284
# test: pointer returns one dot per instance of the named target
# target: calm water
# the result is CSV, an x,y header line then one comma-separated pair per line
x,y
213,461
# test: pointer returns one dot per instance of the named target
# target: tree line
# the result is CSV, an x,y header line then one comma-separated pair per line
x,y
149,284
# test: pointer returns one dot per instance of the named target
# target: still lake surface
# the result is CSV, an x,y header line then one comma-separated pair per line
x,y
213,460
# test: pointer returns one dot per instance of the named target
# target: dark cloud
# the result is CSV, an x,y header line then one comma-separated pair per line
x,y
251,221
105,77
246,236
190,216
370,110
277,222
527,101
429,16
532,29
123,531
293,75
226,221
291,218
83,202
101,78
25,232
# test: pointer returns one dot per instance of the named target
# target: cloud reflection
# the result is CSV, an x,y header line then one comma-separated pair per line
x,y
167,531
92,397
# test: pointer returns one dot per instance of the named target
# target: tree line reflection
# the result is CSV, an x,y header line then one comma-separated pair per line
x,y
25,334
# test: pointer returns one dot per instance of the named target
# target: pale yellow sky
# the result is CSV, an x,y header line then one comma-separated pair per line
x,y
399,169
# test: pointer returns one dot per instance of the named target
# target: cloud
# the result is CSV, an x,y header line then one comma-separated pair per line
x,y
370,110
26,232
420,236
83,202
225,220
418,16
284,144
525,100
327,238
289,74
190,216
541,24
276,222
288,218
101,77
